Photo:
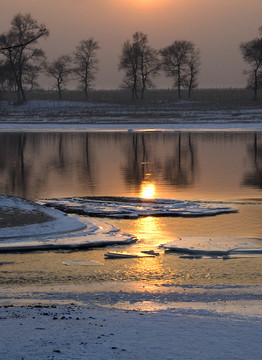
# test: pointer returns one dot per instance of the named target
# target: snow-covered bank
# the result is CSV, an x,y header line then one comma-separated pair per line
x,y
69,115
57,223
220,126
58,232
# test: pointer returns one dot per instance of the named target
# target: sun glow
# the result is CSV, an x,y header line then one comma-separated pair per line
x,y
147,3
148,190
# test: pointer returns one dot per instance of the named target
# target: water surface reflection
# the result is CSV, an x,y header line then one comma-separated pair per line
x,y
222,166
180,165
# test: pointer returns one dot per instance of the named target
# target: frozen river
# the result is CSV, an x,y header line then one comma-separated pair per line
x,y
221,169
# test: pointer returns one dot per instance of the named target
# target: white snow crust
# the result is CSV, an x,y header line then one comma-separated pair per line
x,y
63,232
128,207
71,333
68,323
59,224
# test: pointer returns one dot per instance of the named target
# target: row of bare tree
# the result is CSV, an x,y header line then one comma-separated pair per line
x,y
22,61
141,63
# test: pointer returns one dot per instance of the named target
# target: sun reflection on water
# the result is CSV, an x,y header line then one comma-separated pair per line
x,y
149,230
148,190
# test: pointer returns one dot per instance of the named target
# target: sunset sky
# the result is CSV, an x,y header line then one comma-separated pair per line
x,y
216,26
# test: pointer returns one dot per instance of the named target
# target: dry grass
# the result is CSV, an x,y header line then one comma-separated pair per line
x,y
202,98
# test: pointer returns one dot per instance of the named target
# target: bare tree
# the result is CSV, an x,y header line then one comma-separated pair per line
x,y
86,63
175,60
192,70
149,67
140,63
59,69
252,54
129,63
18,46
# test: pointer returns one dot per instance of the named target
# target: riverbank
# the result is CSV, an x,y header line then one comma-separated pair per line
x,y
157,116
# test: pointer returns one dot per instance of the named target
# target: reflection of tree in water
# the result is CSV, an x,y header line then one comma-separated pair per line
x,y
137,161
32,163
254,177
179,168
174,161
14,168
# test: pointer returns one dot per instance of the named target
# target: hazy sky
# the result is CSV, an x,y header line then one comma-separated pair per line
x,y
216,26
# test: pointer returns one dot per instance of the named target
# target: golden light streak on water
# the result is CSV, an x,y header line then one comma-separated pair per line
x,y
148,190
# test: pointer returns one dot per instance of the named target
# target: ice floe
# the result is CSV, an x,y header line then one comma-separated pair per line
x,y
128,207
82,263
129,255
226,247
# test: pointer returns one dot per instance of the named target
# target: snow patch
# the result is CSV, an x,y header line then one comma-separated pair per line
x,y
59,223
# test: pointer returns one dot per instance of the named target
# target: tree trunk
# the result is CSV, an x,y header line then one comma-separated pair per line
x,y
189,92
142,92
179,82
59,92
255,85
86,93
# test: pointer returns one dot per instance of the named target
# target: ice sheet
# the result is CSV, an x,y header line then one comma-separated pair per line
x,y
125,207
226,247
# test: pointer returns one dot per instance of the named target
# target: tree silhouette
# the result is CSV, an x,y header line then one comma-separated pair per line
x,y
18,46
181,61
140,63
252,55
86,63
59,69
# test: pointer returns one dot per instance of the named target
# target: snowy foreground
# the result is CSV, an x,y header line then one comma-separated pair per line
x,y
72,332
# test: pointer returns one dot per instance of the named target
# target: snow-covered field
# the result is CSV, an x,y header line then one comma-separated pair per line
x,y
123,321
180,115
